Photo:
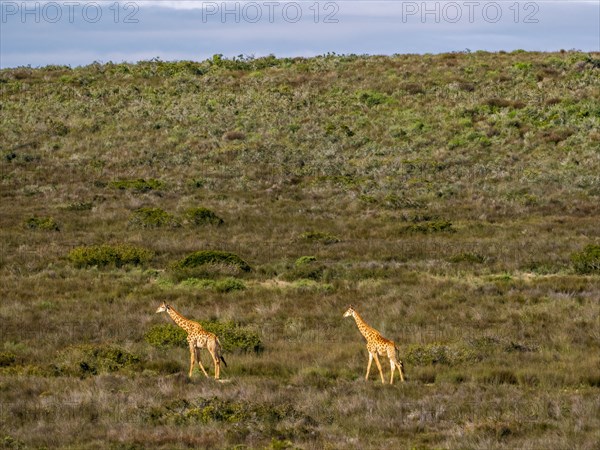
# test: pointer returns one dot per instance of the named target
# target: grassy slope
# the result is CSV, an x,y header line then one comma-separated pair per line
x,y
498,333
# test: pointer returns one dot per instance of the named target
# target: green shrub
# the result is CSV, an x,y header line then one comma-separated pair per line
x,y
202,216
93,359
431,227
152,218
109,255
139,185
372,98
42,223
308,285
166,336
225,285
431,354
229,284
231,336
207,410
320,237
304,260
7,359
304,272
234,337
212,257
588,260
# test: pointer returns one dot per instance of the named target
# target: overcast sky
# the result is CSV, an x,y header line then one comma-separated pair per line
x,y
79,32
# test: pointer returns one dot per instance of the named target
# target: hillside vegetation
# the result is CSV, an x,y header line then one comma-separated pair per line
x,y
452,199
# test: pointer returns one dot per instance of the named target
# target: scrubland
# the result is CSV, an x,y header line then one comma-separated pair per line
x,y
452,199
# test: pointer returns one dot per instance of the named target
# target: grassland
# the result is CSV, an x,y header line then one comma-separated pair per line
x,y
450,198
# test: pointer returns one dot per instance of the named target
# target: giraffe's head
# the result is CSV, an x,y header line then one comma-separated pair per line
x,y
349,312
162,308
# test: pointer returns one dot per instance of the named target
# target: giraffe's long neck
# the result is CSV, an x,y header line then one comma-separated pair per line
x,y
179,319
362,325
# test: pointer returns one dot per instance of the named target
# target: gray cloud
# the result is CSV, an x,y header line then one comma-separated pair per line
x,y
173,32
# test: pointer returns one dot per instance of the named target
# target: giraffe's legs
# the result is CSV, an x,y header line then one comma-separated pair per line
x,y
401,370
192,358
379,367
215,362
369,365
200,361
213,349
392,368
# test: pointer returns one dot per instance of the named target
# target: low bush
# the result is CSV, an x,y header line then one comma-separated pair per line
x,y
207,410
432,354
319,237
229,284
303,260
109,255
42,223
7,359
166,336
304,272
212,258
231,336
139,185
152,218
93,359
202,216
224,285
431,227
234,337
372,98
587,261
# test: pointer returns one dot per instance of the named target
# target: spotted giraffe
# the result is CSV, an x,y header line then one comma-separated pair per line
x,y
377,345
198,338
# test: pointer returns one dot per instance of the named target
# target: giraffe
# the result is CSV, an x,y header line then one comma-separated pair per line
x,y
198,338
377,344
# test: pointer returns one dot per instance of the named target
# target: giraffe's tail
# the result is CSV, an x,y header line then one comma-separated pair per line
x,y
220,350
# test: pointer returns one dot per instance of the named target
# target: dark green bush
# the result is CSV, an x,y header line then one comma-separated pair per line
x,y
139,185
7,359
166,336
202,216
109,255
152,218
231,336
303,260
372,98
225,285
234,337
304,272
206,410
212,257
431,227
42,223
588,260
93,359
430,354
320,237
229,284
